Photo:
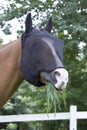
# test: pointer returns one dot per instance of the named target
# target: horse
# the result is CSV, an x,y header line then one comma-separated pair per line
x,y
37,57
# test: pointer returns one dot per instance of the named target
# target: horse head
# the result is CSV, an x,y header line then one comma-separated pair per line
x,y
42,56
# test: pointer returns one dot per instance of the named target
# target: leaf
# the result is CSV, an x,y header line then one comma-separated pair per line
x,y
54,98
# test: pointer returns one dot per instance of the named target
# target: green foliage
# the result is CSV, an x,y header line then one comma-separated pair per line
x,y
54,98
1,41
69,16
7,29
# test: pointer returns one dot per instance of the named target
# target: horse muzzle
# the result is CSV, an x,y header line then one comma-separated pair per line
x,y
58,78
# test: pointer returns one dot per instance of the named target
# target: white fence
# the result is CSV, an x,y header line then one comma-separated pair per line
x,y
73,115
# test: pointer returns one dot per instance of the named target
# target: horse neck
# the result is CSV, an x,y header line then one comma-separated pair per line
x,y
10,70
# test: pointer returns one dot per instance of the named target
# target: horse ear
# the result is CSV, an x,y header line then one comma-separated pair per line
x,y
28,23
49,25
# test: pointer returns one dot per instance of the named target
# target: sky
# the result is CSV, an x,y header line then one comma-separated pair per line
x,y
13,36
14,24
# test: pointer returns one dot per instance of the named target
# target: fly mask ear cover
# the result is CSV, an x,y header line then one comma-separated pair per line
x,y
37,57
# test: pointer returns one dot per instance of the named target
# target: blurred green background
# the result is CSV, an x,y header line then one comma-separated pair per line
x,y
69,24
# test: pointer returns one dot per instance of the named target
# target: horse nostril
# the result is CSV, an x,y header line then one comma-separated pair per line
x,y
62,84
56,73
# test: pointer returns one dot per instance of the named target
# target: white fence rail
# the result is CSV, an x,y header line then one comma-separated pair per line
x,y
73,115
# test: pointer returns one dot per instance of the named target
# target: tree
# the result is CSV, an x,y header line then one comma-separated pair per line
x,y
70,24
0,41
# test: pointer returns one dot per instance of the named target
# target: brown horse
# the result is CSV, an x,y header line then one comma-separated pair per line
x,y
36,57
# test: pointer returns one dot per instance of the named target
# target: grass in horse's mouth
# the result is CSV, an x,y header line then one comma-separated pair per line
x,y
55,98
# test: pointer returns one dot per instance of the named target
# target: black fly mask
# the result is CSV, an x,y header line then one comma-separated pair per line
x,y
41,52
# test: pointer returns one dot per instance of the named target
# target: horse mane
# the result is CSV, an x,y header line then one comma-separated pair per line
x,y
5,45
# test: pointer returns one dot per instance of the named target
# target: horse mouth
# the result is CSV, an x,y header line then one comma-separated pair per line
x,y
59,90
58,78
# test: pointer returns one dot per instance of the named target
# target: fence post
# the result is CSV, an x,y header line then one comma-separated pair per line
x,y
73,117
